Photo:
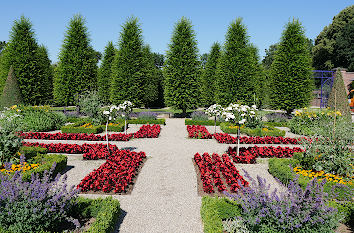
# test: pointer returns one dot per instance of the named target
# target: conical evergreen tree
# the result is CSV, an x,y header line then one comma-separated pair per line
x,y
260,87
338,97
151,77
47,72
104,72
181,68
208,79
77,66
127,78
11,93
292,82
235,74
21,52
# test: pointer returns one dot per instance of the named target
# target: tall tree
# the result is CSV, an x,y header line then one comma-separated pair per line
x,y
181,68
269,56
235,74
104,72
204,59
21,52
77,66
127,78
150,72
208,79
260,82
2,46
48,73
345,47
11,94
292,81
159,59
325,51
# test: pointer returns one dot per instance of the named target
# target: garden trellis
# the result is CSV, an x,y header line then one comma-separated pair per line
x,y
324,81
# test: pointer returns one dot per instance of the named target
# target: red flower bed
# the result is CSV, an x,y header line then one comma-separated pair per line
x,y
89,151
210,168
145,131
249,155
198,131
114,175
226,138
148,131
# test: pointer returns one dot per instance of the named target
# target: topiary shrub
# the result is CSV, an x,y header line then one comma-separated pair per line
x,y
11,94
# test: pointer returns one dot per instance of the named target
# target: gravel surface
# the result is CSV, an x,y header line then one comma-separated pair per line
x,y
164,198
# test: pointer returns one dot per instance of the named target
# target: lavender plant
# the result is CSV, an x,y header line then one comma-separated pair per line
x,y
295,210
199,116
147,116
39,205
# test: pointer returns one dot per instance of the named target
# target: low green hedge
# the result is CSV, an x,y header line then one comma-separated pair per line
x,y
280,168
31,152
275,124
46,161
274,132
77,129
214,210
207,122
114,128
105,211
161,121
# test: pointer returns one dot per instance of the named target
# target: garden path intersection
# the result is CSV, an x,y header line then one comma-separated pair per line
x,y
164,197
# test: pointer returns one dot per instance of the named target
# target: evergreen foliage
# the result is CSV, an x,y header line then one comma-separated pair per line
x,y
260,82
127,78
21,52
235,74
47,73
181,70
208,79
292,82
345,46
338,97
325,51
104,72
11,93
150,72
77,66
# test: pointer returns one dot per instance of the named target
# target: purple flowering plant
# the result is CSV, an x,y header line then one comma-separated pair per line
x,y
294,210
147,115
39,205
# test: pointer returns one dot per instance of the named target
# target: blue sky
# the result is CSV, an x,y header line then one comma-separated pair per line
x,y
265,20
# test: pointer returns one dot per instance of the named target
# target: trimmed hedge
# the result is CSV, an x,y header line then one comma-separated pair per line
x,y
214,210
114,128
161,121
280,168
253,132
105,211
31,152
207,122
77,129
46,162
275,124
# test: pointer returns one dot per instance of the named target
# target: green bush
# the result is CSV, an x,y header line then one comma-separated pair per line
x,y
105,211
31,152
214,210
46,161
141,121
116,127
207,122
280,168
271,131
275,124
77,129
346,209
9,145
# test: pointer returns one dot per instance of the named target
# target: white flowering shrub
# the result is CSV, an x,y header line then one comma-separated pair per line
x,y
242,115
214,110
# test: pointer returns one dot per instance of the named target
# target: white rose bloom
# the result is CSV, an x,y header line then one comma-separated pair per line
x,y
252,112
106,112
254,106
242,121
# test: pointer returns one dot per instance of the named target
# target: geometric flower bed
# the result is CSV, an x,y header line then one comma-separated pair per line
x,y
89,151
248,155
145,131
116,174
226,138
211,168
198,131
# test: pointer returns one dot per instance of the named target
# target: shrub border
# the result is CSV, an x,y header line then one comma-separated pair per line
x,y
273,132
207,122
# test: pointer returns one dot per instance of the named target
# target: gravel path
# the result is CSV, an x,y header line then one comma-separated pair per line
x,y
164,198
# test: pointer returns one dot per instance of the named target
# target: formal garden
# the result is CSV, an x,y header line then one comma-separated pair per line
x,y
174,143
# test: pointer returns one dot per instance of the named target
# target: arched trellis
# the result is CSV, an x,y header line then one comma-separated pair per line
x,y
324,81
